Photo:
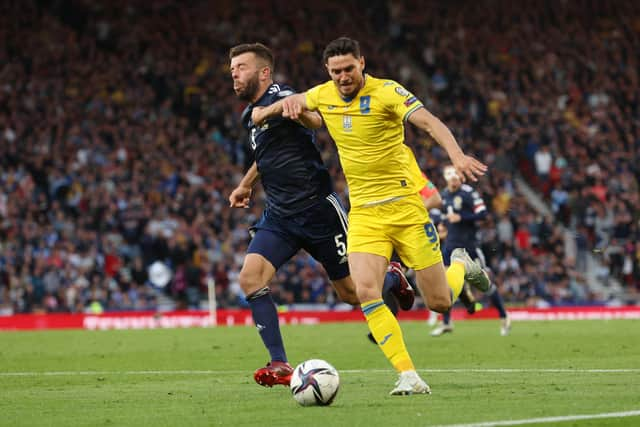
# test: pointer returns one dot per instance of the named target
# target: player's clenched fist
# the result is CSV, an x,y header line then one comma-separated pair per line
x,y
239,198
293,106
258,115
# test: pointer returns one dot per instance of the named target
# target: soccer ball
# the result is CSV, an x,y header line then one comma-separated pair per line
x,y
315,382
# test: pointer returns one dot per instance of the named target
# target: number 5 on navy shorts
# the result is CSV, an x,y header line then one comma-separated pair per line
x,y
321,231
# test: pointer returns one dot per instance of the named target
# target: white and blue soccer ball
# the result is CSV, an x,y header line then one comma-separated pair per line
x,y
315,383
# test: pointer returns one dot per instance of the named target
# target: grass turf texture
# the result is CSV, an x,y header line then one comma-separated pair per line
x,y
131,378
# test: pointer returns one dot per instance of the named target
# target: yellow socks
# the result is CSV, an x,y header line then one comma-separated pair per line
x,y
455,278
386,330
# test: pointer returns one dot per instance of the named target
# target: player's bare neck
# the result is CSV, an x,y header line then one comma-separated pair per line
x,y
264,86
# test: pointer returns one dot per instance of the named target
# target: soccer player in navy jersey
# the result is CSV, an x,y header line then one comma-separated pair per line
x,y
302,211
462,208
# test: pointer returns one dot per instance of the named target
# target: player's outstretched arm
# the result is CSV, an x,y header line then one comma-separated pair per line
x,y
294,106
240,196
467,166
311,119
308,119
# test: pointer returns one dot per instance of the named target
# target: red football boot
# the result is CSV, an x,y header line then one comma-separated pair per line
x,y
404,292
274,373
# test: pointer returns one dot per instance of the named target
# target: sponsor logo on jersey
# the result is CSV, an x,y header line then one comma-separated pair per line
x,y
274,89
385,339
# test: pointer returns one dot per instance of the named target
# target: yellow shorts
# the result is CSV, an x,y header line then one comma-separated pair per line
x,y
403,225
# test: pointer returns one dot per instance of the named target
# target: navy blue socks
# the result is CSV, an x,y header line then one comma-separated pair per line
x,y
265,316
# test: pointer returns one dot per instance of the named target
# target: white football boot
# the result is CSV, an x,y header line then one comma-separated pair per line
x,y
473,272
505,326
408,383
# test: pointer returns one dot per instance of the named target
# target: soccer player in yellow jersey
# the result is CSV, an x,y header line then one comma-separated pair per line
x,y
365,117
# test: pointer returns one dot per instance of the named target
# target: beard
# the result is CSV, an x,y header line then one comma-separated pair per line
x,y
354,85
250,89
351,93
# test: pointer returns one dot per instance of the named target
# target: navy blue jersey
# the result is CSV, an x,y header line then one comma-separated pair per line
x,y
436,215
293,175
467,203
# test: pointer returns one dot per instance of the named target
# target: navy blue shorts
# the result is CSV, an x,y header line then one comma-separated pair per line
x,y
474,252
321,231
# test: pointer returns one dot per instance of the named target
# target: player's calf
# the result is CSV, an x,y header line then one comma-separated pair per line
x,y
346,290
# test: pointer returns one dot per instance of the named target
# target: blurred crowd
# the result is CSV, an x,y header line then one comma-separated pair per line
x,y
120,140
550,92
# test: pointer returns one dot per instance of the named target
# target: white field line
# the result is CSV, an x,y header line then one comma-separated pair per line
x,y
345,371
548,419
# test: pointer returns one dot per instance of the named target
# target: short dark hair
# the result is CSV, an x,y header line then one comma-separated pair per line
x,y
341,46
260,50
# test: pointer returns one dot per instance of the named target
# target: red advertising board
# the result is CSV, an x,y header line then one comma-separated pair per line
x,y
188,319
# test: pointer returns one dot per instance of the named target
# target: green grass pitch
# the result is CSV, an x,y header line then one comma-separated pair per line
x,y
203,377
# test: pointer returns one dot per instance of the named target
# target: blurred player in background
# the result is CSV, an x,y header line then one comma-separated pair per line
x,y
365,117
432,201
462,208
302,211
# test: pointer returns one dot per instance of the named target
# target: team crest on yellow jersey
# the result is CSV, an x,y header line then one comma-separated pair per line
x,y
369,133
347,124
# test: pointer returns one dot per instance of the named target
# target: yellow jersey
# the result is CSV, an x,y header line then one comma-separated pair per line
x,y
369,133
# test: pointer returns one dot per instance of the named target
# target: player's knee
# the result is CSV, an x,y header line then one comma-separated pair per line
x,y
250,282
439,304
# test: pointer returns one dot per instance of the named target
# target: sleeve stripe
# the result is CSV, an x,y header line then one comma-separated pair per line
x,y
479,208
408,113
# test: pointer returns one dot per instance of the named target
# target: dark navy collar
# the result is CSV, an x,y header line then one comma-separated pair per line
x,y
266,91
